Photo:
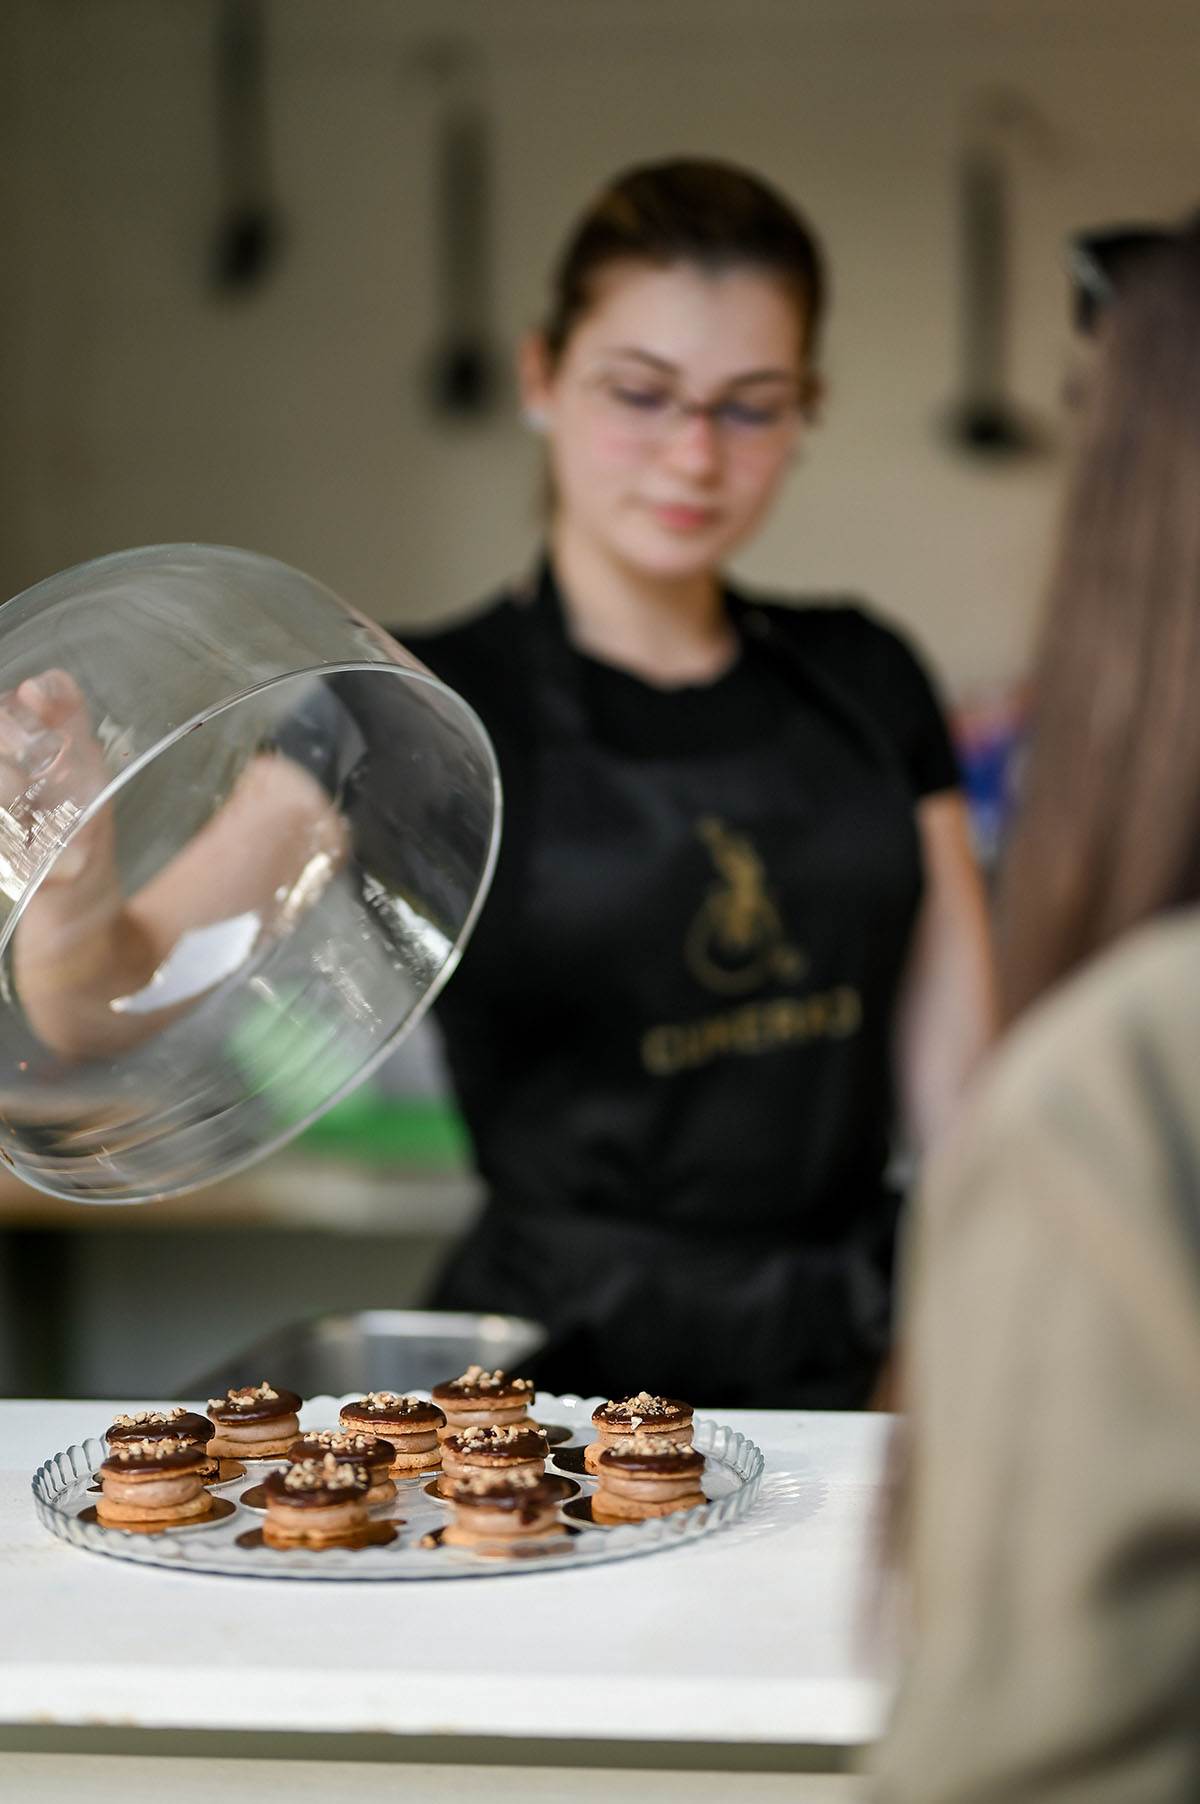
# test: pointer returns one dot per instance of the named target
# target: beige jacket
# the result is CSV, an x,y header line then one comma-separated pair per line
x,y
1053,1293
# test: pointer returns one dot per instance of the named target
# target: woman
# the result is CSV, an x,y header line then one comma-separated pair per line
x,y
1053,1337
735,889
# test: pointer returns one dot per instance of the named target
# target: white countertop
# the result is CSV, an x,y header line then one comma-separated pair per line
x,y
754,1635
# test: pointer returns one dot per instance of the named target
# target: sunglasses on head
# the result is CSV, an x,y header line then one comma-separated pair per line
x,y
1100,262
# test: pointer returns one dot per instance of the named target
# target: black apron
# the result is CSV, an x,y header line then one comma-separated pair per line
x,y
671,1035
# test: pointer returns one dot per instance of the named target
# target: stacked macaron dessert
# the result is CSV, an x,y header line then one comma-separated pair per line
x,y
641,1413
519,1447
152,1485
647,1475
411,1424
254,1421
504,1515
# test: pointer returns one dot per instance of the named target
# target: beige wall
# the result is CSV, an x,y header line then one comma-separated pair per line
x,y
138,407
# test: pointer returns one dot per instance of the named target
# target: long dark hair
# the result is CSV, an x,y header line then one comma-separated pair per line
x,y
1109,832
690,210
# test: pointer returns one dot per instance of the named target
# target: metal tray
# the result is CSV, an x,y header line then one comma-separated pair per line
x,y
732,1480
378,1349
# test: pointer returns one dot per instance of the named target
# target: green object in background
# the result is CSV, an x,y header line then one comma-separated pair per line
x,y
282,1039
389,1130
286,1054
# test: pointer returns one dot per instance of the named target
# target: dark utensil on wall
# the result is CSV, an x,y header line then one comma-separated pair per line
x,y
985,419
463,372
250,232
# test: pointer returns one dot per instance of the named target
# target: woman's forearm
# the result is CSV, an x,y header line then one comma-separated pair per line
x,y
947,1011
88,963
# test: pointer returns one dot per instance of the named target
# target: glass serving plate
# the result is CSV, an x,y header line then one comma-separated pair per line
x,y
63,1489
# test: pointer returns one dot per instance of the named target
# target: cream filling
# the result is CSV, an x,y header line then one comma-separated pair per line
x,y
245,1436
164,1488
112,1510
410,1440
483,1524
480,1415
317,1518
644,1489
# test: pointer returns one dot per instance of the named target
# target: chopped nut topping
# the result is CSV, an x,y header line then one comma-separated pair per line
x,y
334,1442
142,1450
405,1405
150,1418
639,1408
246,1397
499,1482
328,1474
478,1378
485,1439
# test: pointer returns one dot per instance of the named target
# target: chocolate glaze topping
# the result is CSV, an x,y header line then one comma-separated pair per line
x,y
367,1449
318,1483
530,1497
413,1412
639,1454
499,1445
160,1424
253,1403
477,1384
620,1412
154,1456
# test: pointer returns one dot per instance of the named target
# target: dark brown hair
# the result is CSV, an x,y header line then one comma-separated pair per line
x,y
712,215
1109,832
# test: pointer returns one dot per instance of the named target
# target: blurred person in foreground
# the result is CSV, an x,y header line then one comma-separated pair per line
x,y
1050,1527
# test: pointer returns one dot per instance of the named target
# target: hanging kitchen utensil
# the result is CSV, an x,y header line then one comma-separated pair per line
x,y
985,420
250,232
463,368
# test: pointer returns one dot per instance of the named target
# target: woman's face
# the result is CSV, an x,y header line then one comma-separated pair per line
x,y
672,413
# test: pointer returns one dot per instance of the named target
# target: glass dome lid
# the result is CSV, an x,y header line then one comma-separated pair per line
x,y
244,837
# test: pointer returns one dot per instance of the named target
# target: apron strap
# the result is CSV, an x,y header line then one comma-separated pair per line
x,y
556,695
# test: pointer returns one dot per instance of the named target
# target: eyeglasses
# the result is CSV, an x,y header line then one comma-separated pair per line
x,y
1101,262
649,411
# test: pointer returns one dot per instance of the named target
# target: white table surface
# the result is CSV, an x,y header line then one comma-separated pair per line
x,y
753,1636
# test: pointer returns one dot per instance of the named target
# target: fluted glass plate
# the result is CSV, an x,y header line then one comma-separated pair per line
x,y
62,1490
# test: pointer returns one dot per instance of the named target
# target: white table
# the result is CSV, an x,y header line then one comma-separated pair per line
x,y
746,1651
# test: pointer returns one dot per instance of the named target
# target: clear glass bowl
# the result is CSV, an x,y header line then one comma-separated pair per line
x,y
243,839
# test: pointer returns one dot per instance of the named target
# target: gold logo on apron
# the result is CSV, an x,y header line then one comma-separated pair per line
x,y
737,941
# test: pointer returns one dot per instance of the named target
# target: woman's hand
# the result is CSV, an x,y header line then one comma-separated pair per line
x,y
947,1010
51,769
75,946
90,963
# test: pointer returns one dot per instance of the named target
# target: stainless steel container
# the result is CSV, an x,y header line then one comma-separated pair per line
x,y
377,1349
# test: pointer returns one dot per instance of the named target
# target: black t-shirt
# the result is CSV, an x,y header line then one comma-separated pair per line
x,y
674,1019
